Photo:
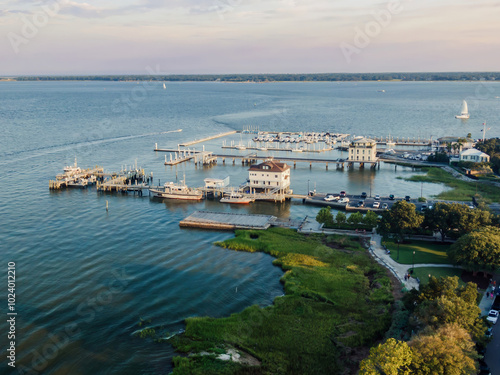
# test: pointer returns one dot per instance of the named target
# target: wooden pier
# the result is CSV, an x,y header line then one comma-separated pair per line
x,y
81,178
207,138
227,221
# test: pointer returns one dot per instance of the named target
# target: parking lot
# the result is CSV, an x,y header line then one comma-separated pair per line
x,y
358,203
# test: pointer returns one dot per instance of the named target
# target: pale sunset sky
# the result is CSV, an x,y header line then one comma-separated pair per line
x,y
247,36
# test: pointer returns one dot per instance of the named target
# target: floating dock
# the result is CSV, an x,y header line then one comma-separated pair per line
x,y
227,221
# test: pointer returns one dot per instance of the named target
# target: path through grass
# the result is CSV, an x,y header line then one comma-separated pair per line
x,y
337,304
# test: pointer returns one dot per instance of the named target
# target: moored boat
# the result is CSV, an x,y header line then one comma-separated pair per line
x,y
236,198
172,190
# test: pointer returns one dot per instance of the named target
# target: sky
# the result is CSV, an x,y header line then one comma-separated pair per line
x,y
61,37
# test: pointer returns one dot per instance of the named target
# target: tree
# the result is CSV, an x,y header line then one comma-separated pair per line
x,y
341,218
449,350
454,219
355,218
325,216
390,358
400,220
371,219
478,250
443,301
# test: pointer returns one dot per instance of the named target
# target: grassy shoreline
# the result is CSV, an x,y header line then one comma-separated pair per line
x,y
460,190
338,302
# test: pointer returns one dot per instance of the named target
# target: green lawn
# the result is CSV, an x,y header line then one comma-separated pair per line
x,y
337,301
423,273
460,190
425,252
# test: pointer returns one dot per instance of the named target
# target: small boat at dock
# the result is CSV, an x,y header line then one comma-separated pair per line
x,y
237,198
172,190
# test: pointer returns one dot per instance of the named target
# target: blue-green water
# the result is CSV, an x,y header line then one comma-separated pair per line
x,y
85,277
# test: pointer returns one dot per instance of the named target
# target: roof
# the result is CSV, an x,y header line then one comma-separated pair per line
x,y
363,140
473,151
273,167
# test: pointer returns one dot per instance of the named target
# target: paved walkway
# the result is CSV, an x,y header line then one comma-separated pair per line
x,y
310,225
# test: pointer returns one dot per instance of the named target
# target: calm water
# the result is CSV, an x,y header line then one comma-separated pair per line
x,y
86,277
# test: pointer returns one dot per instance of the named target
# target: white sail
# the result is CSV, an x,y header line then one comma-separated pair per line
x,y
465,111
164,86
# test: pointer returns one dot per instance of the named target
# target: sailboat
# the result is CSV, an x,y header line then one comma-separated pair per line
x,y
164,86
465,111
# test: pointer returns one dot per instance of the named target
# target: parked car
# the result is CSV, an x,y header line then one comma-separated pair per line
x,y
331,197
423,207
364,195
484,369
489,332
407,198
391,197
492,316
361,204
344,200
376,204
377,197
343,193
385,206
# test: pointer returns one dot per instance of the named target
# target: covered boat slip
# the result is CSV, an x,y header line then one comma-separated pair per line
x,y
227,220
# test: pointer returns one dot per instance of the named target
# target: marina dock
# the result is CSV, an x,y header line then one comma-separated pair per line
x,y
227,221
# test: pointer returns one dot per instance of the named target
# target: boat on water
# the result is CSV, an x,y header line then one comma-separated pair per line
x,y
464,112
72,169
236,198
172,190
164,86
78,183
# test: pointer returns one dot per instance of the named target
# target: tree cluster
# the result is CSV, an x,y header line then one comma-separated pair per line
x,y
341,220
478,241
452,76
447,325
491,147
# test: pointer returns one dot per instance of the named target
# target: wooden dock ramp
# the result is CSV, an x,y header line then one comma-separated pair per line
x,y
227,221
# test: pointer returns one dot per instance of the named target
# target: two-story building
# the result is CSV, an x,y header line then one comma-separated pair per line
x,y
269,177
363,150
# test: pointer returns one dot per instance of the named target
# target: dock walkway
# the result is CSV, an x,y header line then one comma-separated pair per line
x,y
227,221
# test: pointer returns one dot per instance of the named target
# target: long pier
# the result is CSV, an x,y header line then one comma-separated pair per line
x,y
207,138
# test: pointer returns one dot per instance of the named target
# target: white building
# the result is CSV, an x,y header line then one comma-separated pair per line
x,y
269,176
363,150
474,155
216,183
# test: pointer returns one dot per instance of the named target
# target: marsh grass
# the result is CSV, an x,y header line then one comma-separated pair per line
x,y
460,190
336,299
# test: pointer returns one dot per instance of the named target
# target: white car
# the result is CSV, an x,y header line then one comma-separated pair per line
x,y
344,200
376,204
377,197
492,316
331,197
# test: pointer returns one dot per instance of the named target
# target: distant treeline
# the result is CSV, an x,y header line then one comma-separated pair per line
x,y
464,76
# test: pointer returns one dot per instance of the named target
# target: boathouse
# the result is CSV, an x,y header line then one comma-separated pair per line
x,y
363,150
269,177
